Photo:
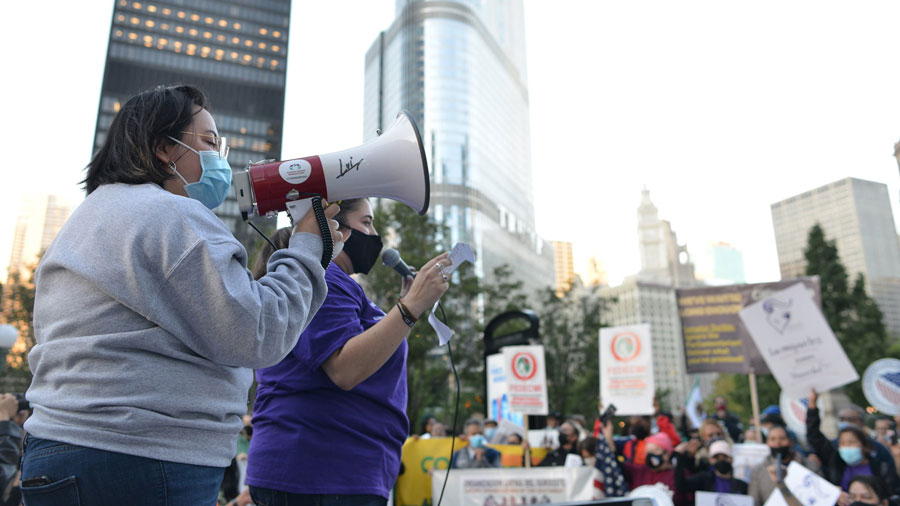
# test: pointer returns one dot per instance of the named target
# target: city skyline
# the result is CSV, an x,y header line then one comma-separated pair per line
x,y
717,120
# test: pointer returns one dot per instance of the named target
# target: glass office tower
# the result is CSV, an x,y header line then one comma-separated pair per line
x,y
236,50
459,68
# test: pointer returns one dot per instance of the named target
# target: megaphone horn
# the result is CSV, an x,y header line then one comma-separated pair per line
x,y
391,166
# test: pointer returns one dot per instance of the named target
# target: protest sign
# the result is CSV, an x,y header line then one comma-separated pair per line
x,y
526,379
626,369
539,485
716,499
747,455
423,458
715,339
498,393
808,487
794,339
881,385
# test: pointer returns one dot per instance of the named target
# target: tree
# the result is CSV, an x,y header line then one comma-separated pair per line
x,y
18,310
853,316
570,334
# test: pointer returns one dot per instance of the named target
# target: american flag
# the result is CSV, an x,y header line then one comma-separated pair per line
x,y
889,386
799,407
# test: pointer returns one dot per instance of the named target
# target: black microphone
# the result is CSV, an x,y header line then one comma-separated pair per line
x,y
391,258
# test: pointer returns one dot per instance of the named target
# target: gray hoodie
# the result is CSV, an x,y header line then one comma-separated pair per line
x,y
147,323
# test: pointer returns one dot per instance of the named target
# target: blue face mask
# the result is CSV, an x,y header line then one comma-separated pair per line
x,y
852,455
476,441
489,433
215,181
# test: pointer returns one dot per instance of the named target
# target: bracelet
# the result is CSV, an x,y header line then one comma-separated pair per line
x,y
408,318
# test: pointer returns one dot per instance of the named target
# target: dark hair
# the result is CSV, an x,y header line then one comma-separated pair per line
x,y
141,126
873,482
281,238
773,419
589,443
782,427
860,436
347,207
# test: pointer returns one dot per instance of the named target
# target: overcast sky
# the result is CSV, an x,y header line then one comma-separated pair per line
x,y
719,108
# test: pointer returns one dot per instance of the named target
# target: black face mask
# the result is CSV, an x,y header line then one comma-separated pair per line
x,y
781,453
363,250
654,461
723,467
563,439
639,431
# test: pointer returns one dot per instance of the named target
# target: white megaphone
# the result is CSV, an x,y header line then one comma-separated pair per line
x,y
390,166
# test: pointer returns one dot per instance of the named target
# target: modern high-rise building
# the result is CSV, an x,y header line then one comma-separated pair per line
x,y
636,301
564,266
857,215
235,50
719,263
459,68
39,220
663,260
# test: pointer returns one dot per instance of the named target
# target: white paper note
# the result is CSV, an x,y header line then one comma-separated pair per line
x,y
460,253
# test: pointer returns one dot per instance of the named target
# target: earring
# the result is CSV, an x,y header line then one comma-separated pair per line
x,y
172,166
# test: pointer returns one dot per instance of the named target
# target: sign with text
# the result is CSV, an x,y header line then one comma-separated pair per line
x,y
808,487
538,485
796,343
626,369
715,339
526,379
717,499
498,392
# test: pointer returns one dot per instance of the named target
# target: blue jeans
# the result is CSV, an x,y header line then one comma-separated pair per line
x,y
61,474
268,497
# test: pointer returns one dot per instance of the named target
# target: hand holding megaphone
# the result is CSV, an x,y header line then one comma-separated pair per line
x,y
391,166
310,225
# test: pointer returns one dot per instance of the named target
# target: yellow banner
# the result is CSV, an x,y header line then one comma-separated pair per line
x,y
421,457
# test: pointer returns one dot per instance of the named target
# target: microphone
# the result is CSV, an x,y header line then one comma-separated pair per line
x,y
391,258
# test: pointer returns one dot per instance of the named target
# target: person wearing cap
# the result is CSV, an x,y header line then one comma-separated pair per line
x,y
657,466
719,477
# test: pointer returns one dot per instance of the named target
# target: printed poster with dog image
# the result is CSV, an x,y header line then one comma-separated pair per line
x,y
794,339
626,369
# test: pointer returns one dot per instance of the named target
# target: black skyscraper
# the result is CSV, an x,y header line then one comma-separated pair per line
x,y
236,50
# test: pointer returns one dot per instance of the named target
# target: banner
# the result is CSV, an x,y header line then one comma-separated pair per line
x,y
626,369
423,458
715,339
498,393
526,379
881,385
797,344
717,499
492,487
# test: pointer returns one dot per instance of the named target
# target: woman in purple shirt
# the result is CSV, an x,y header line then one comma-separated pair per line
x,y
329,420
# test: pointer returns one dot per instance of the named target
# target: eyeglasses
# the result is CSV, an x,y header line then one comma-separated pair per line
x,y
220,143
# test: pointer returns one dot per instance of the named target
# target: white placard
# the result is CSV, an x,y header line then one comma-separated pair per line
x,y
747,455
626,369
775,499
795,341
537,485
715,499
526,379
809,488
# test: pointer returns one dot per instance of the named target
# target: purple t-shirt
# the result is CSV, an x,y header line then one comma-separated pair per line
x,y
311,437
851,471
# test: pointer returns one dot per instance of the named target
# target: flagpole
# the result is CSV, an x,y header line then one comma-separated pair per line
x,y
527,448
754,402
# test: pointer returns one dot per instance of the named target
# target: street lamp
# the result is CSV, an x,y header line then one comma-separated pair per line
x,y
8,337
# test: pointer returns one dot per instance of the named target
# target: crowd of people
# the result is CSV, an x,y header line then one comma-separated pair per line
x,y
863,460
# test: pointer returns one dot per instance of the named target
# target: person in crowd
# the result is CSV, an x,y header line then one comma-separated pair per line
x,y
719,477
782,452
147,322
476,454
587,448
866,489
710,431
11,435
731,421
568,441
608,478
342,390
633,449
554,419
657,467
854,456
427,425
438,430
580,422
490,433
855,416
550,438
885,431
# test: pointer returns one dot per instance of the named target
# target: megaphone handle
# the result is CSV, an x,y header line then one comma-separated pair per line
x,y
325,230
